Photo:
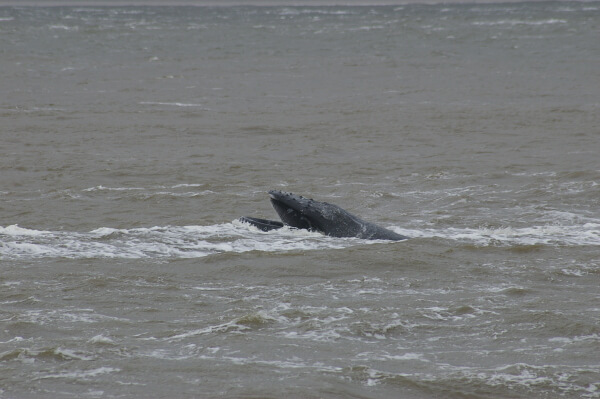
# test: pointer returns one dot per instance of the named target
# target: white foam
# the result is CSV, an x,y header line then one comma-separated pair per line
x,y
514,22
176,104
27,250
225,327
172,242
188,185
576,234
80,374
70,354
15,230
15,339
64,27
160,242
186,194
101,339
571,340
366,28
102,188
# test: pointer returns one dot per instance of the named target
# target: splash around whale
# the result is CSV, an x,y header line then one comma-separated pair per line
x,y
329,219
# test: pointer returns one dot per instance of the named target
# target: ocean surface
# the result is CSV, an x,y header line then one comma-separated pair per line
x,y
132,138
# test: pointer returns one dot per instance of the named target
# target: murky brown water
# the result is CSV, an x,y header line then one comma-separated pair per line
x,y
132,138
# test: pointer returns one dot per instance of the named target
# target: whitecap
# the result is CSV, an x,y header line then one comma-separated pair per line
x,y
176,104
79,374
193,241
101,339
550,234
188,185
71,354
188,194
15,230
515,22
102,188
64,27
163,242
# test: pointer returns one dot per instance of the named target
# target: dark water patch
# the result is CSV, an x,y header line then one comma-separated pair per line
x,y
525,249
517,291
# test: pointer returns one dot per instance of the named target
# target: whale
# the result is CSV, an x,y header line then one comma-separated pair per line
x,y
329,219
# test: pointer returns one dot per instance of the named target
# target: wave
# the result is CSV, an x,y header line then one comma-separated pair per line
x,y
567,235
174,104
147,193
173,242
157,242
514,22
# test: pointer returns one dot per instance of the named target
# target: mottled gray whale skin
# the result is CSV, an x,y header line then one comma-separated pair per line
x,y
329,219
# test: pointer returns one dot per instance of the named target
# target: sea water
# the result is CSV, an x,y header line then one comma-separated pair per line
x,y
133,137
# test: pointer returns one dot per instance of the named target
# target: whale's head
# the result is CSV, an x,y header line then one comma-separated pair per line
x,y
304,213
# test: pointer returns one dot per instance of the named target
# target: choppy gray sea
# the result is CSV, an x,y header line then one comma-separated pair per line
x,y
132,138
